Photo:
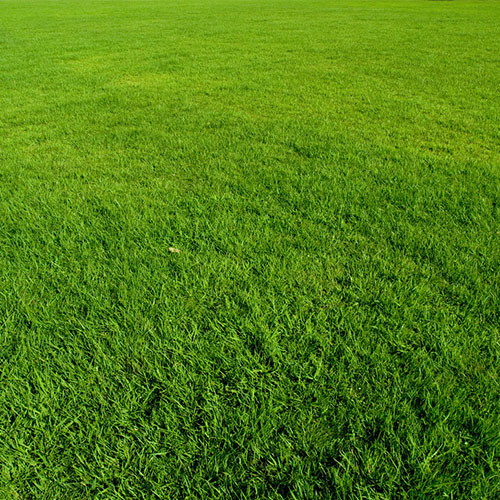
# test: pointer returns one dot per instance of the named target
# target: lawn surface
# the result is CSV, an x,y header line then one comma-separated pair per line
x,y
329,171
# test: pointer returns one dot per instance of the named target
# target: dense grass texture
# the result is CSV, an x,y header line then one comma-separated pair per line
x,y
328,170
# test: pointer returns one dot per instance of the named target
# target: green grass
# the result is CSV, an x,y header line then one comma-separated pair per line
x,y
329,171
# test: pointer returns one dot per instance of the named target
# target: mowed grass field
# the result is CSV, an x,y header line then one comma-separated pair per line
x,y
330,174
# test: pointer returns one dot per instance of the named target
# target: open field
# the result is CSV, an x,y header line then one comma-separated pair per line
x,y
329,171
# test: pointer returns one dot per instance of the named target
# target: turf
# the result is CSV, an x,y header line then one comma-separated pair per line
x,y
329,172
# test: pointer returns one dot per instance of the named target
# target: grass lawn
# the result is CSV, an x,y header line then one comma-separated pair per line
x,y
330,174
